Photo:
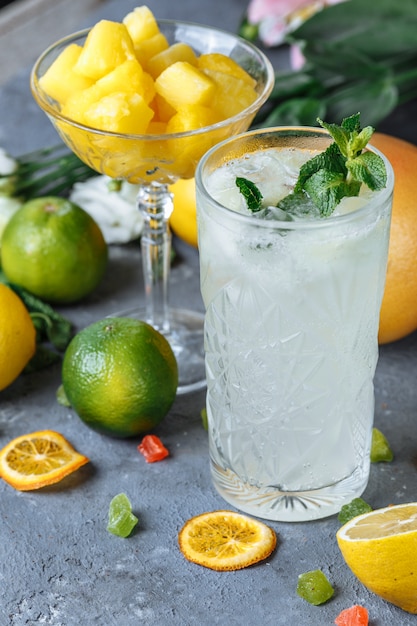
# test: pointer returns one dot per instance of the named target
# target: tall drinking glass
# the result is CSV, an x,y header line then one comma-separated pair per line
x,y
291,323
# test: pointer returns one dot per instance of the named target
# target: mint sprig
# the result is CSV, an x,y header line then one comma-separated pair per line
x,y
336,173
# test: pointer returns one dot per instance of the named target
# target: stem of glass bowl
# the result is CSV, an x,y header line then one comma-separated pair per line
x,y
156,205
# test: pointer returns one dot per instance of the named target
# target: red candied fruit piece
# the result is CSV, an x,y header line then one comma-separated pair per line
x,y
354,616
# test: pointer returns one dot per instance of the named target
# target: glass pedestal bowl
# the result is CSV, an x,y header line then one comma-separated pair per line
x,y
154,162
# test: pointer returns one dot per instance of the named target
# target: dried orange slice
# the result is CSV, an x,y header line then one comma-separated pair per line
x,y
37,460
224,540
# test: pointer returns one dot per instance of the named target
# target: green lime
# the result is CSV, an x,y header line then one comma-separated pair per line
x,y
314,587
120,375
354,508
380,448
54,249
121,519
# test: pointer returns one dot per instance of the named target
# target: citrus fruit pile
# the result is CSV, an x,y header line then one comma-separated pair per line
x,y
398,316
39,459
120,376
224,540
17,336
54,249
380,547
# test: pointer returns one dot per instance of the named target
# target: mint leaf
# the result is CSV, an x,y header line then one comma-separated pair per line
x,y
368,168
336,173
251,194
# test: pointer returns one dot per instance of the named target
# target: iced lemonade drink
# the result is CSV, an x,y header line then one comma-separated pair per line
x,y
292,310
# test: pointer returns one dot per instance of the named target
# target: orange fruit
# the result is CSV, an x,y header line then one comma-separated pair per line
x,y
120,376
183,220
17,336
224,540
38,459
398,317
54,249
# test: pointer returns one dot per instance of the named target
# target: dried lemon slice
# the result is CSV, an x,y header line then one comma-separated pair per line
x,y
224,540
38,459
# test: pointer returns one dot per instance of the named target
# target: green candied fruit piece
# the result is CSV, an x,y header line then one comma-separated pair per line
x,y
121,519
380,448
314,587
353,509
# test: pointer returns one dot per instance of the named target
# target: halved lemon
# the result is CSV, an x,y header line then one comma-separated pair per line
x,y
224,540
38,459
380,548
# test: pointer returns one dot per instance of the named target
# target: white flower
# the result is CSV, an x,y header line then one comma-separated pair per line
x,y
8,165
8,207
114,211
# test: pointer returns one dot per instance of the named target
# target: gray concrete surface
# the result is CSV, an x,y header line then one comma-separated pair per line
x,y
58,564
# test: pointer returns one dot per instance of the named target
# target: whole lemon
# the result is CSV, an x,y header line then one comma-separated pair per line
x,y
54,249
183,220
398,316
120,376
17,336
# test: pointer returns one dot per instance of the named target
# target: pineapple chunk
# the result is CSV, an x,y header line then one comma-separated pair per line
x,y
163,110
60,80
108,44
157,128
191,118
188,150
222,63
182,84
79,102
148,48
121,112
127,76
177,52
232,95
141,24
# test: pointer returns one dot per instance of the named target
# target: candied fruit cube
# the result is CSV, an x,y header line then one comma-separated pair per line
x,y
108,44
60,80
182,84
120,112
176,52
222,63
141,24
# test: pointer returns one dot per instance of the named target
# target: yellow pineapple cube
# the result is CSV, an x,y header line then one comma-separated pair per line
x,y
60,80
232,95
127,76
122,112
189,150
148,48
163,110
182,84
141,24
191,118
157,128
79,102
176,52
108,44
222,63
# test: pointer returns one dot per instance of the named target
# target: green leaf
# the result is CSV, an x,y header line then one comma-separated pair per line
x,y
251,194
295,112
369,168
